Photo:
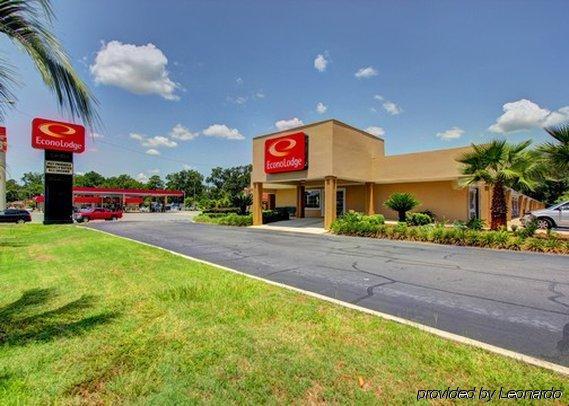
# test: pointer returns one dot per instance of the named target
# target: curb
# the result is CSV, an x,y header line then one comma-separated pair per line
x,y
440,333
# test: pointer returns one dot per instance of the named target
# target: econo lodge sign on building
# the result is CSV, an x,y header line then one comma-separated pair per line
x,y
58,136
286,154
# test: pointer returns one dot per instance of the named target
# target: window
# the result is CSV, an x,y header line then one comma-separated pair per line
x,y
565,207
312,199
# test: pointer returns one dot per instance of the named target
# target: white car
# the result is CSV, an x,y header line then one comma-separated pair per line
x,y
554,216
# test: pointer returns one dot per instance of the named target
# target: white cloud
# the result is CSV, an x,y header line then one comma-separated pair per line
x,y
367,72
153,151
452,134
377,131
138,69
320,62
97,135
389,106
524,115
223,131
187,167
237,99
159,141
155,171
259,95
141,177
321,108
392,108
181,133
239,81
287,124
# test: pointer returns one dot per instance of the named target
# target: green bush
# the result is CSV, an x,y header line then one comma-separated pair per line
x,y
418,219
530,227
231,219
475,224
270,216
222,210
353,223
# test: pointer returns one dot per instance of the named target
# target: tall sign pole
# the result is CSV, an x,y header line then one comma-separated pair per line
x,y
3,150
60,141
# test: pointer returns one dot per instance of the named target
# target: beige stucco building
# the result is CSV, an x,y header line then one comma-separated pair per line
x,y
347,169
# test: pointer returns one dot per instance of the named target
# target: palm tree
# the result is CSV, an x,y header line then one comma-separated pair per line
x,y
401,203
500,165
557,154
28,23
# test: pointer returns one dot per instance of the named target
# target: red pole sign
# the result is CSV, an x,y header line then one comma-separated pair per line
x,y
3,140
58,136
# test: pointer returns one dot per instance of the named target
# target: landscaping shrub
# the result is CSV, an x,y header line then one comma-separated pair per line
x,y
353,223
270,216
231,219
223,210
530,227
475,224
356,224
238,220
418,219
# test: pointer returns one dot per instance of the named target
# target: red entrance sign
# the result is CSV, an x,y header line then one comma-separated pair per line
x,y
286,154
57,136
3,140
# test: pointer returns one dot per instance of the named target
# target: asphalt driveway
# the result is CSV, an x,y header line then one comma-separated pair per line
x,y
518,301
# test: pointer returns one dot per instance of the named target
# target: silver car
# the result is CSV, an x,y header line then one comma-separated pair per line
x,y
551,217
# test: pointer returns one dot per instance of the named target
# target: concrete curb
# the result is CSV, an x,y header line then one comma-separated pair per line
x,y
441,333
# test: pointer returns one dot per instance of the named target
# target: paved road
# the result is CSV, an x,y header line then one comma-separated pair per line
x,y
518,301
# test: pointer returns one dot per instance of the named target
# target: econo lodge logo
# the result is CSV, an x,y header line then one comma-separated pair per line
x,y
57,136
286,154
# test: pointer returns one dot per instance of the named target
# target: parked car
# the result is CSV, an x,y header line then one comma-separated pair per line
x,y
97,213
15,216
554,216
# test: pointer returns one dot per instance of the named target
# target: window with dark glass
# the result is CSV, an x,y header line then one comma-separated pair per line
x,y
312,199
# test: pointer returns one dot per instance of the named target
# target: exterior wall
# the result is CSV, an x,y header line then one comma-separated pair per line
x,y
446,199
355,198
319,155
354,154
285,197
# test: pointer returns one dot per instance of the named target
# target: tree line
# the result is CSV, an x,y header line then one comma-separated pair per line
x,y
224,187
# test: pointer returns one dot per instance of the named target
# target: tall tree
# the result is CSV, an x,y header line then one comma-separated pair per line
x,y
28,23
155,182
229,182
32,185
13,191
557,153
500,165
89,179
123,182
188,180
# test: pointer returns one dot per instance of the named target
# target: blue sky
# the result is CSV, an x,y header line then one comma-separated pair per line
x,y
432,75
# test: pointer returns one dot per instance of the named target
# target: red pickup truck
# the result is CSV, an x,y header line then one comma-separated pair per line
x,y
97,213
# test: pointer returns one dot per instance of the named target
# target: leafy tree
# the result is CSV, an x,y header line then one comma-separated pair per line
x,y
122,182
188,180
155,182
32,185
89,179
557,153
14,191
500,165
28,24
402,203
229,182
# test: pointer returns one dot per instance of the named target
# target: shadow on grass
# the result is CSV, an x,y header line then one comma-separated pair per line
x,y
23,320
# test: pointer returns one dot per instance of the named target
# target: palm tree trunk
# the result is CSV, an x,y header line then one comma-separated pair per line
x,y
499,207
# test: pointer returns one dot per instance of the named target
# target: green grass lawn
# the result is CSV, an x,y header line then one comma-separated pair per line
x,y
86,317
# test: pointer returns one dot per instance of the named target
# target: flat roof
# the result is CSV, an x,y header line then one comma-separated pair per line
x,y
333,120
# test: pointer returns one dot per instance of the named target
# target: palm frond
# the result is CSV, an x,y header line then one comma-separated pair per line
x,y
27,23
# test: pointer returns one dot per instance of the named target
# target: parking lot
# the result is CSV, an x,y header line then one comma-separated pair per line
x,y
515,300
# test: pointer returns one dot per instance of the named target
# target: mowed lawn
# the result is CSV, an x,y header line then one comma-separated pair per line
x,y
86,317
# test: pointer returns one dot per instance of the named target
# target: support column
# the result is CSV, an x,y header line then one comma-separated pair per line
x,y
257,203
300,200
369,198
330,186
